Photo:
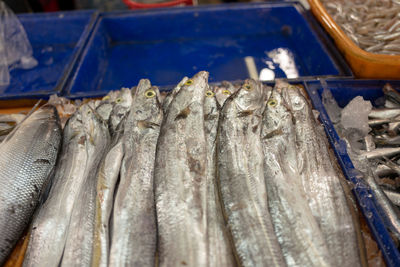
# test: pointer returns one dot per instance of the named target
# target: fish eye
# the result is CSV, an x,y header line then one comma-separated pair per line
x,y
226,92
292,87
209,93
247,87
119,100
89,112
150,93
189,82
272,103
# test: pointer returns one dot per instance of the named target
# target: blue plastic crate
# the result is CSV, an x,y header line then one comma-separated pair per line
x,y
166,44
56,39
344,91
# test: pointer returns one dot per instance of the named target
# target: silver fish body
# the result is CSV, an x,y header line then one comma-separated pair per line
x,y
298,232
134,235
393,196
180,178
122,104
170,96
241,181
50,226
107,177
384,113
381,152
219,248
321,184
27,158
79,243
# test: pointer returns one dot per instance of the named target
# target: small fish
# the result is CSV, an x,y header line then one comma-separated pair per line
x,y
390,93
79,242
134,235
180,178
386,140
28,156
381,152
241,182
384,113
393,196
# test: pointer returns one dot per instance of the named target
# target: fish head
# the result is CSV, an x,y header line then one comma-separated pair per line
x,y
104,110
223,91
170,96
190,98
295,98
146,106
277,114
211,110
250,98
121,106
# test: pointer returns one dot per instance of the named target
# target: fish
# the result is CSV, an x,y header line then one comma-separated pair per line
x,y
384,113
50,226
321,184
78,248
381,152
220,252
134,235
386,140
391,217
240,178
391,94
393,196
223,91
298,232
27,159
107,178
180,178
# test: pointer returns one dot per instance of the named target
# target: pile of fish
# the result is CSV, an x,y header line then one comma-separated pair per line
x,y
374,25
204,176
373,141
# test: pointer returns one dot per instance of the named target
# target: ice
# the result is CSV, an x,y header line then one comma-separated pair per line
x,y
355,115
331,106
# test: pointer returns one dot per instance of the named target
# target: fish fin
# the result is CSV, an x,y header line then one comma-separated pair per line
x,y
147,124
245,113
183,114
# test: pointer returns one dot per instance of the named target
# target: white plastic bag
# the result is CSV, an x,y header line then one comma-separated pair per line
x,y
15,48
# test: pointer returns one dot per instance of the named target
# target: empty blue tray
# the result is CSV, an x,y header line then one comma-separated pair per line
x,y
166,44
344,91
56,39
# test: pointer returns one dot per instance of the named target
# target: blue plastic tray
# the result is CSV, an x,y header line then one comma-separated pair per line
x,y
56,39
344,91
166,44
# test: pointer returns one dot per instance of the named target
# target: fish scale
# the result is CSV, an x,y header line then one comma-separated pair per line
x,y
28,159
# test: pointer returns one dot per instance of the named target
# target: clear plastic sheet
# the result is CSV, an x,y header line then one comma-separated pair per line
x,y
15,48
374,25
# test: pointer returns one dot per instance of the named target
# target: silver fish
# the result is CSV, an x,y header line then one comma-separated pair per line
x,y
50,226
392,219
79,243
381,152
393,196
134,235
384,113
240,178
219,248
298,232
321,184
180,178
107,177
27,158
